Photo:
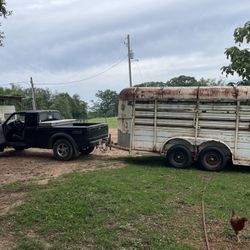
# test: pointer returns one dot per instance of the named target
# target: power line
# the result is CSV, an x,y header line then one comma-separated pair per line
x,y
8,84
69,82
83,79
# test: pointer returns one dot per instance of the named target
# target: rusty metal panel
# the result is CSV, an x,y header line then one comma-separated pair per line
x,y
217,107
245,108
226,136
177,106
217,124
245,117
174,115
165,132
147,114
175,123
215,116
187,93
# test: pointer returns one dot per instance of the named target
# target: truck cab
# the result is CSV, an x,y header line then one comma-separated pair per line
x,y
14,131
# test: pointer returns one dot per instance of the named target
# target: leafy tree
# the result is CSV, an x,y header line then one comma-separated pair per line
x,y
61,102
79,107
70,107
43,97
243,83
182,80
3,12
151,84
239,57
210,82
106,104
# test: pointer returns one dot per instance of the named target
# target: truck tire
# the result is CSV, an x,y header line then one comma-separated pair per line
x,y
87,150
212,159
179,156
63,150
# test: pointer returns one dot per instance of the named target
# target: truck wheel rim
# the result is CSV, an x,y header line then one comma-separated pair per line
x,y
62,150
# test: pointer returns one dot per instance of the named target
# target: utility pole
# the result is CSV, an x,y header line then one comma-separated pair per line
x,y
130,56
33,94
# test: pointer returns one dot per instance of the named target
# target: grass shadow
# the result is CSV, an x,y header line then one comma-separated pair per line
x,y
161,162
237,168
150,161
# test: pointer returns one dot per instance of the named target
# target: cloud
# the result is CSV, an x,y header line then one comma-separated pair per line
x,y
66,40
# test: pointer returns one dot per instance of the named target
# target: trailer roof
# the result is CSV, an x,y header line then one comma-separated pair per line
x,y
231,93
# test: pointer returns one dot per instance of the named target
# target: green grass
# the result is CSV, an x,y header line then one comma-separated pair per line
x,y
111,121
143,206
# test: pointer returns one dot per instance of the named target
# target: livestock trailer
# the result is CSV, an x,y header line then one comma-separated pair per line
x,y
210,125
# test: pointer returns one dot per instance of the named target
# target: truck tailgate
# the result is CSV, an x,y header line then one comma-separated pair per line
x,y
97,131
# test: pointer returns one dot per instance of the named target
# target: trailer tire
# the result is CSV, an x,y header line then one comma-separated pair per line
x,y
179,156
212,159
63,150
87,150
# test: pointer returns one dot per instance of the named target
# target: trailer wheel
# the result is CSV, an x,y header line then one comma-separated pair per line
x,y
212,159
63,150
87,150
179,156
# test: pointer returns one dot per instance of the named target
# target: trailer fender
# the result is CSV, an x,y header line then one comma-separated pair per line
x,y
188,142
191,143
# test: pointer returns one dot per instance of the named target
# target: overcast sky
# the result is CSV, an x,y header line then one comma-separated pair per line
x,y
60,41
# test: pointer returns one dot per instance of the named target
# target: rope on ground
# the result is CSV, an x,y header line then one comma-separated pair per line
x,y
204,216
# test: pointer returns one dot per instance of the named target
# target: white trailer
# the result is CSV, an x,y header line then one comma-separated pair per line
x,y
210,125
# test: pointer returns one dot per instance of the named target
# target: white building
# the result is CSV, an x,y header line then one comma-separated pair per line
x,y
7,106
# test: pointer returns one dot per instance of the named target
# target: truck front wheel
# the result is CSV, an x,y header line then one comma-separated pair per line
x,y
63,150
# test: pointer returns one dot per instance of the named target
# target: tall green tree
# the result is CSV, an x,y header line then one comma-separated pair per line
x,y
61,102
78,107
43,98
3,13
239,55
106,104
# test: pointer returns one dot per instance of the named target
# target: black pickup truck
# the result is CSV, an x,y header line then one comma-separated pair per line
x,y
46,129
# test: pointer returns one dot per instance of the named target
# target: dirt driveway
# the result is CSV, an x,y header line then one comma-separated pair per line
x,y
39,164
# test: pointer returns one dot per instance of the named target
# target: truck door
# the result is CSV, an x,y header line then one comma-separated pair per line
x,y
2,137
13,128
31,133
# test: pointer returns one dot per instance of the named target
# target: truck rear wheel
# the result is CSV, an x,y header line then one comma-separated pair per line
x,y
212,159
179,156
63,150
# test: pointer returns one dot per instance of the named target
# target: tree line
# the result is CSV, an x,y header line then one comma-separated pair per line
x,y
69,106
105,105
